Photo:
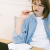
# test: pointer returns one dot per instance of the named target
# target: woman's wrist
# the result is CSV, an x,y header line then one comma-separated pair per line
x,y
21,19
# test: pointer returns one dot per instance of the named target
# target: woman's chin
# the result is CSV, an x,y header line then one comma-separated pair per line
x,y
36,13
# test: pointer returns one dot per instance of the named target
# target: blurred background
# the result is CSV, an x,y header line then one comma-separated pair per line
x,y
9,15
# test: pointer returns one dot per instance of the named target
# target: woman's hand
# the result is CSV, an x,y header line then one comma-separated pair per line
x,y
49,26
24,15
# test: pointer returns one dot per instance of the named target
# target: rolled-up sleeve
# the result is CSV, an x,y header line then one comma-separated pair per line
x,y
22,37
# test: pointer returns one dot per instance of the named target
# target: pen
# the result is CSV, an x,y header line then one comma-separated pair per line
x,y
31,11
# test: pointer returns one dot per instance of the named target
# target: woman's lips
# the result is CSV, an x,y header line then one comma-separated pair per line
x,y
36,11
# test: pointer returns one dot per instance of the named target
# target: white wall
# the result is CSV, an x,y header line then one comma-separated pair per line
x,y
14,0
7,12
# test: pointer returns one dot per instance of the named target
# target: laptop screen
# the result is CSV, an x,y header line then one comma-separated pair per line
x,y
3,46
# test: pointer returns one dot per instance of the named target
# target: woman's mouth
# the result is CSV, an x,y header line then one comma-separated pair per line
x,y
37,11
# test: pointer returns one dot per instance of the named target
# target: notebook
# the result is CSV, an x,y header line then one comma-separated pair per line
x,y
21,46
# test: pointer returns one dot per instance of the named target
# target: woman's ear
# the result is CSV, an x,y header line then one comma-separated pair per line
x,y
49,26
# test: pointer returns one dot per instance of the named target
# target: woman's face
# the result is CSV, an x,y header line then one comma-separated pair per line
x,y
38,6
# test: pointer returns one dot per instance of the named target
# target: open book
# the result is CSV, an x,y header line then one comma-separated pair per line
x,y
21,46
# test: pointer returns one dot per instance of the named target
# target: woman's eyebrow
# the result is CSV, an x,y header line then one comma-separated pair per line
x,y
34,1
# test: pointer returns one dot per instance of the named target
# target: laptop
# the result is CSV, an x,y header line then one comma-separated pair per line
x,y
3,46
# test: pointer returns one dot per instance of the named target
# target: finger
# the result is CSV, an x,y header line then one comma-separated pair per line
x,y
49,26
24,12
27,11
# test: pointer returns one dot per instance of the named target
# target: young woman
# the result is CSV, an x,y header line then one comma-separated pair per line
x,y
34,29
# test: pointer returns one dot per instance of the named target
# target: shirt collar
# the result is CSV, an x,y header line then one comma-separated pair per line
x,y
34,17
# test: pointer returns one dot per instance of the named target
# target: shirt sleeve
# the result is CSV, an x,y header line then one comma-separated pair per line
x,y
48,20
22,37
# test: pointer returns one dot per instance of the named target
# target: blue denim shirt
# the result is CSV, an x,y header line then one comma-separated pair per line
x,y
28,28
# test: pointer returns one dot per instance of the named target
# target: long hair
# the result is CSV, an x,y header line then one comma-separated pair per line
x,y
49,5
46,5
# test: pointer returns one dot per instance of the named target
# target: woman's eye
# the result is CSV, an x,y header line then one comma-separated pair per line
x,y
35,4
40,5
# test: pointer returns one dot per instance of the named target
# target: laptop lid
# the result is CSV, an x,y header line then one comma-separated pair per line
x,y
3,46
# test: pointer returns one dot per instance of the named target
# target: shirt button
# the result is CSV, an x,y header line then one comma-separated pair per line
x,y
33,32
29,39
35,24
33,20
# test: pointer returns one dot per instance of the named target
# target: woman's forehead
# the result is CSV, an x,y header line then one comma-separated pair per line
x,y
37,1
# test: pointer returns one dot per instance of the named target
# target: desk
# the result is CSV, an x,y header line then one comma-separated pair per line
x,y
36,48
8,41
5,41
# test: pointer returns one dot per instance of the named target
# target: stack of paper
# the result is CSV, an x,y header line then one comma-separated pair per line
x,y
21,46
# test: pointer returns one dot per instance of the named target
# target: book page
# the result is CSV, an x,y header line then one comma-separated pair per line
x,y
21,46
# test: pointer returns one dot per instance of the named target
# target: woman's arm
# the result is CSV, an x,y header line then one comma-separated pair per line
x,y
49,26
19,34
22,37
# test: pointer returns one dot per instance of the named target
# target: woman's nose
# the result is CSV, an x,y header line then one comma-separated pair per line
x,y
37,7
